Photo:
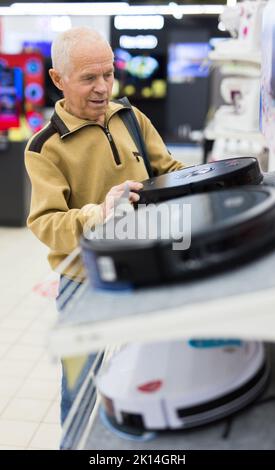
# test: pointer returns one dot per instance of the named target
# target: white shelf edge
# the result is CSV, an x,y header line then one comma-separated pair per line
x,y
211,133
252,57
247,316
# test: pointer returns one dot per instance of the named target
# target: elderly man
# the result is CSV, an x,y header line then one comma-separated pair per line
x,y
79,162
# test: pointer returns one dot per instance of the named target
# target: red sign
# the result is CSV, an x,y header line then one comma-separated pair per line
x,y
32,66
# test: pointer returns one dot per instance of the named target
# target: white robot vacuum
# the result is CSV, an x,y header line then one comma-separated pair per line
x,y
180,384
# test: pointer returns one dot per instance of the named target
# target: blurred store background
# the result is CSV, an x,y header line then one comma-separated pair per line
x,y
194,67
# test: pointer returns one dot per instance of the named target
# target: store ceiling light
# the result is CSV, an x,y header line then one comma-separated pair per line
x,y
108,9
176,12
72,9
148,41
139,22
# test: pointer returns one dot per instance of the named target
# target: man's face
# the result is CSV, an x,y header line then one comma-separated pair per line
x,y
88,84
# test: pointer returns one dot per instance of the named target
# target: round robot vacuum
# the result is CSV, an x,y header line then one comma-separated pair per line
x,y
181,238
201,178
181,384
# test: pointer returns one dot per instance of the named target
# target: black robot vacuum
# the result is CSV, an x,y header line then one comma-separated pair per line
x,y
181,238
201,178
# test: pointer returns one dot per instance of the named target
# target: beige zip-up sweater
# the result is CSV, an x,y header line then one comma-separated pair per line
x,y
73,162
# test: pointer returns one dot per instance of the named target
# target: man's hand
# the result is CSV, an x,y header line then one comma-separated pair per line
x,y
116,192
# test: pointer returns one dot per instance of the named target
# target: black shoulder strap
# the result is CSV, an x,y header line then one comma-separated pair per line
x,y
42,137
130,121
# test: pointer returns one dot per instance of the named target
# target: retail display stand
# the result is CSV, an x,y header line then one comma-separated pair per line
x,y
235,127
235,304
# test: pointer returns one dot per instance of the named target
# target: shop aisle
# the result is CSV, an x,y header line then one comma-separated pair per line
x,y
30,381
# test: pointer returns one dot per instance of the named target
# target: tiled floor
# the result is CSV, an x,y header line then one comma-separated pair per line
x,y
30,379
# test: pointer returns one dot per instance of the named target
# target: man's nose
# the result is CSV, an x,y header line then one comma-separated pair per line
x,y
100,85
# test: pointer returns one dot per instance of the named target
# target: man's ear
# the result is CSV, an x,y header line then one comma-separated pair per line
x,y
56,78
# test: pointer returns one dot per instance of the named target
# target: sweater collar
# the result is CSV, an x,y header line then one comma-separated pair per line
x,y
65,123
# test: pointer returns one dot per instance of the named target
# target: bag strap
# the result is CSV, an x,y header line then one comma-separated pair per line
x,y
131,123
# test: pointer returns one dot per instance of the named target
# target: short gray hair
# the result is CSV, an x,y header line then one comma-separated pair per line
x,y
65,42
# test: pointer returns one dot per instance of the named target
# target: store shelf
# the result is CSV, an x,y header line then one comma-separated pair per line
x,y
211,132
236,303
235,55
